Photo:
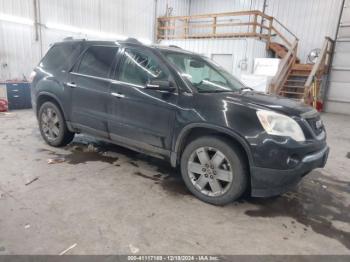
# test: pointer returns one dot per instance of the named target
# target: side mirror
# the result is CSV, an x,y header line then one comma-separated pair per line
x,y
160,85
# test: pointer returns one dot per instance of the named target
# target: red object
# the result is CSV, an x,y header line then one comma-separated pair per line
x,y
319,106
3,105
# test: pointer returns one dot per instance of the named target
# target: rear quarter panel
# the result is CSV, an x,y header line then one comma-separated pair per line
x,y
52,84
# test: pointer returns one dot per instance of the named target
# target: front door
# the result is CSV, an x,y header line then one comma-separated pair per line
x,y
90,83
142,117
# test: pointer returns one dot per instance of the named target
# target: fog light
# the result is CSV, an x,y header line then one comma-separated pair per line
x,y
293,160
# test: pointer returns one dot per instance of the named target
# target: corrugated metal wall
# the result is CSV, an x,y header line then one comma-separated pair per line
x,y
338,95
309,20
173,7
19,52
217,6
132,17
18,49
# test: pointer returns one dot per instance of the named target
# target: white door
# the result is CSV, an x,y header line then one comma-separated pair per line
x,y
225,60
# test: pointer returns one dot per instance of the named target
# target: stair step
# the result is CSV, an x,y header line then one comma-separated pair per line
x,y
296,99
302,73
290,92
297,80
299,74
302,67
291,86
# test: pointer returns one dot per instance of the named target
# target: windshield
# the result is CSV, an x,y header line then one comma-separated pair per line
x,y
203,74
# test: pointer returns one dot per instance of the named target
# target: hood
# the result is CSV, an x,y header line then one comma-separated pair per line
x,y
272,102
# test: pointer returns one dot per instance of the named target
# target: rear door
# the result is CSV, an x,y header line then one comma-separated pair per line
x,y
142,117
90,84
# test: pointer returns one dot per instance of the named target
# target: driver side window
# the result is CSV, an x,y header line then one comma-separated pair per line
x,y
139,69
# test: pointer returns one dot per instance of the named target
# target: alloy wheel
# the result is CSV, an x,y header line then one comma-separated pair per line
x,y
210,171
50,124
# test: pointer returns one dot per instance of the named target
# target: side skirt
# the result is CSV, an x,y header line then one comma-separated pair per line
x,y
122,141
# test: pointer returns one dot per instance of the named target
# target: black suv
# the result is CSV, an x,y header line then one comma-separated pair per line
x,y
181,107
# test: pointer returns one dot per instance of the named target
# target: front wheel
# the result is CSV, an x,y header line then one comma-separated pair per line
x,y
214,170
53,126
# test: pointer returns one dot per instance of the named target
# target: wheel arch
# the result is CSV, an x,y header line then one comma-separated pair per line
x,y
48,97
193,131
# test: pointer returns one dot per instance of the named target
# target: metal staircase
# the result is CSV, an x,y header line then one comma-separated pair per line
x,y
338,95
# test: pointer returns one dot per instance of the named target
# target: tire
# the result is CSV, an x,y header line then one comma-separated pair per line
x,y
52,125
228,168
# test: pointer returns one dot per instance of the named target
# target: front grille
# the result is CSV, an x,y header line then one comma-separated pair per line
x,y
313,123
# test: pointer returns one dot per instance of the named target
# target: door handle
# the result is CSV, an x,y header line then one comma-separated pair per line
x,y
118,95
72,85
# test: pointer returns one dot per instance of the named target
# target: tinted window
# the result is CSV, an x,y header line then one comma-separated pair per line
x,y
61,56
140,68
97,61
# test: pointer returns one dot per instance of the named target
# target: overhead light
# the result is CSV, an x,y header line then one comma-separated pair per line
x,y
16,19
78,30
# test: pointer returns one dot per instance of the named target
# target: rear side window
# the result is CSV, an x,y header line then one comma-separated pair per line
x,y
61,56
97,61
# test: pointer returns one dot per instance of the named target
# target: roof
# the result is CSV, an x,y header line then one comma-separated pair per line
x,y
171,48
127,42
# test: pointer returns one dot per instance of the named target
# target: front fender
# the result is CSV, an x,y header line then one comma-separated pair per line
x,y
178,143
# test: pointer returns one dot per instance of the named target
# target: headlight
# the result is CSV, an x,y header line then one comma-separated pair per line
x,y
280,125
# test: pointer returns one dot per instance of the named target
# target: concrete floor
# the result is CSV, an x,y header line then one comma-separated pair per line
x,y
109,200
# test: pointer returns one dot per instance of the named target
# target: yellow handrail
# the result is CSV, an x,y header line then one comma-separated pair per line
x,y
322,64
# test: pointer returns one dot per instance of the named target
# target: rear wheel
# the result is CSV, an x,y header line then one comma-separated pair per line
x,y
214,170
53,126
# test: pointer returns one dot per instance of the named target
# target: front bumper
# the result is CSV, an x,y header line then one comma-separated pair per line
x,y
271,182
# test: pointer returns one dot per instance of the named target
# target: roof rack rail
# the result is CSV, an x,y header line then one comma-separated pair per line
x,y
71,38
132,40
175,46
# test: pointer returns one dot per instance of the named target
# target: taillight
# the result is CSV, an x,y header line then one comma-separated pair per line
x,y
32,75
